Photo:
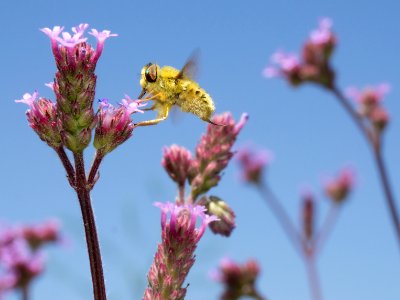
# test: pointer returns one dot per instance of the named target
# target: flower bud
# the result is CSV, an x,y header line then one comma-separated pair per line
x,y
238,280
338,189
42,118
308,215
217,207
176,162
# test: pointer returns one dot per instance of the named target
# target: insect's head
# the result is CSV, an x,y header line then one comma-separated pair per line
x,y
148,74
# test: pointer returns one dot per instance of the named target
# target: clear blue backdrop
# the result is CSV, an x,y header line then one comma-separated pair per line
x,y
307,130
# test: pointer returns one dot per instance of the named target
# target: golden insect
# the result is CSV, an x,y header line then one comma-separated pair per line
x,y
167,86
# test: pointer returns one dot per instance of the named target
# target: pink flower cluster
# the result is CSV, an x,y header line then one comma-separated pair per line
x,y
202,171
238,280
369,101
42,118
175,254
337,189
114,125
73,47
253,163
314,65
21,259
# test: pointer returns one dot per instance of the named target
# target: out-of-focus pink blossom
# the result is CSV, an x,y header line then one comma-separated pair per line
x,y
323,35
219,208
21,259
337,189
253,163
284,65
238,280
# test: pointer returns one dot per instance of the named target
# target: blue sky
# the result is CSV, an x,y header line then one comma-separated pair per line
x,y
305,128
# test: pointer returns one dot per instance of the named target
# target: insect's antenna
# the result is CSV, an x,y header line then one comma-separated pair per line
x,y
211,122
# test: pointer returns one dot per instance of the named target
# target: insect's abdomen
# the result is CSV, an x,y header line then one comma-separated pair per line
x,y
195,100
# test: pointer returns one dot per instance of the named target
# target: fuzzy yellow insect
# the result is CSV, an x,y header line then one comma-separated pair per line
x,y
167,86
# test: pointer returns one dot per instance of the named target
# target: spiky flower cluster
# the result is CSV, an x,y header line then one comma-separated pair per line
x,y
21,256
203,170
314,64
69,122
175,254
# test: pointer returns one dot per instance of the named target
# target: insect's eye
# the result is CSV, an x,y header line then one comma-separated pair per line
x,y
151,73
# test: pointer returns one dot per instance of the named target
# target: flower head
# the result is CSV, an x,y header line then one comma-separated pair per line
x,y
253,163
284,65
220,209
180,236
176,162
213,153
75,83
238,280
337,189
114,125
42,118
323,35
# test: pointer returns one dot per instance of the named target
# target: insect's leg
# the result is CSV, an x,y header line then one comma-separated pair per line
x,y
149,108
150,97
162,115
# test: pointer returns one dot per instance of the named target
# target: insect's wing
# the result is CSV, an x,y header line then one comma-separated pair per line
x,y
190,69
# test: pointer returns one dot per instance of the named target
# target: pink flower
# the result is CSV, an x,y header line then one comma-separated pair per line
x,y
337,189
238,280
213,153
180,236
323,34
114,125
369,95
101,37
253,163
42,118
176,162
283,64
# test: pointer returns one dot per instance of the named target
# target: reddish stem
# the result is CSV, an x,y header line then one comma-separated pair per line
x,y
25,292
93,174
67,165
92,241
375,145
313,278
